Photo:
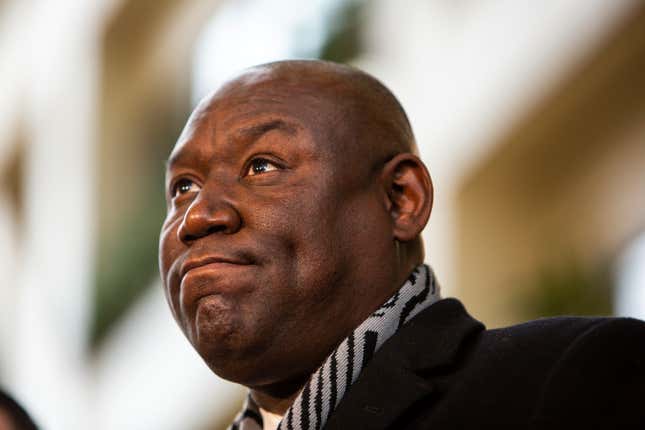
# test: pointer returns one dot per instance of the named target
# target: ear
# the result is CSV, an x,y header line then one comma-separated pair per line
x,y
409,195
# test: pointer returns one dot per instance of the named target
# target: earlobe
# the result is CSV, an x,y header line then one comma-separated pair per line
x,y
409,195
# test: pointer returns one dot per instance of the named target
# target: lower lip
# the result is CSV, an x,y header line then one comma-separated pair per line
x,y
213,278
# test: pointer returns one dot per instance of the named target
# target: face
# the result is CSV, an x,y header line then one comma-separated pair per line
x,y
265,248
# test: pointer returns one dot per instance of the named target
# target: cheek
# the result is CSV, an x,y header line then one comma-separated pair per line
x,y
168,244
169,249
295,232
311,237
306,223
340,234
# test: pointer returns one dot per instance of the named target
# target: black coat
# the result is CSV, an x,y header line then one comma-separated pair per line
x,y
443,370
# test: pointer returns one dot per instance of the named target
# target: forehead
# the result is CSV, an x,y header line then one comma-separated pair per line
x,y
248,109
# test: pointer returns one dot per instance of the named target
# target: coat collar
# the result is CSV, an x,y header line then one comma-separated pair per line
x,y
391,383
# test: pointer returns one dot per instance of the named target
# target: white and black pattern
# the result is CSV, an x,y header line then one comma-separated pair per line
x,y
328,384
249,418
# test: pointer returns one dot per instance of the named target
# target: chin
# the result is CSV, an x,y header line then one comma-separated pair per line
x,y
240,359
234,365
219,337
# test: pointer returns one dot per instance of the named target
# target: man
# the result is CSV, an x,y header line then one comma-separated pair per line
x,y
292,260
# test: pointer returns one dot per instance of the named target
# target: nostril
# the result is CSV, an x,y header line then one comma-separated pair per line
x,y
216,229
188,238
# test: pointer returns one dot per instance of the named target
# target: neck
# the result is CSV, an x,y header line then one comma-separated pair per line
x,y
277,398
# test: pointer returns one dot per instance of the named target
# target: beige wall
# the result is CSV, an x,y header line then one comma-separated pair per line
x,y
566,184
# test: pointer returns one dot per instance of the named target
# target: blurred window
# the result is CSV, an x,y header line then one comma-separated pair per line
x,y
630,291
243,33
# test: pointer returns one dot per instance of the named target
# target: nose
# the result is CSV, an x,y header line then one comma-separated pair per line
x,y
205,217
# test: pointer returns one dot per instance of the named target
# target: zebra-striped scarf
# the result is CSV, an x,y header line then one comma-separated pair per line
x,y
328,384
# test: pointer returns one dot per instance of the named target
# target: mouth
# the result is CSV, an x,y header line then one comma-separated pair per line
x,y
210,262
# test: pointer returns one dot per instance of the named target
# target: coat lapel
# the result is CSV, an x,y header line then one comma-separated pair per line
x,y
391,382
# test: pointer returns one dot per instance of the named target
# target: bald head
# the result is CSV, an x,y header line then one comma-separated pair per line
x,y
362,118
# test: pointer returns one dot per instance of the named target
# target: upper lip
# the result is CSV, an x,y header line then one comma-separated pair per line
x,y
193,263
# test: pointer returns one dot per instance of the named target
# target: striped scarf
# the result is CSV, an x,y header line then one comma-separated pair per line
x,y
327,386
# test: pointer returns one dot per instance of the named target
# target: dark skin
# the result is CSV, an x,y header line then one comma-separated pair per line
x,y
295,205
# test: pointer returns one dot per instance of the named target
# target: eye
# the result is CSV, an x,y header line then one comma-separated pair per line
x,y
259,166
183,186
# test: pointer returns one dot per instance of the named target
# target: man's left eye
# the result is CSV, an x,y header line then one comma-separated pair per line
x,y
259,166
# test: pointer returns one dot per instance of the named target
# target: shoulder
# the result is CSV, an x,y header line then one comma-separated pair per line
x,y
564,343
581,370
532,345
600,377
586,342
547,329
555,336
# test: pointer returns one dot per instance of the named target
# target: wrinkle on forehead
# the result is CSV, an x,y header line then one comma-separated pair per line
x,y
245,133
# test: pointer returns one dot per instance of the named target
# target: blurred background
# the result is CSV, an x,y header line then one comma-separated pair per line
x,y
530,116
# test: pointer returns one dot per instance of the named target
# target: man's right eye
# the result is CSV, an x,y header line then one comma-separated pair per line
x,y
183,186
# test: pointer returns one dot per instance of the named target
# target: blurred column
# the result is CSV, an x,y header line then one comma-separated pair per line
x,y
48,372
7,277
11,63
630,294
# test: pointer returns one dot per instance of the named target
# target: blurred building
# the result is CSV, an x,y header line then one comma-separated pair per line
x,y
530,117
